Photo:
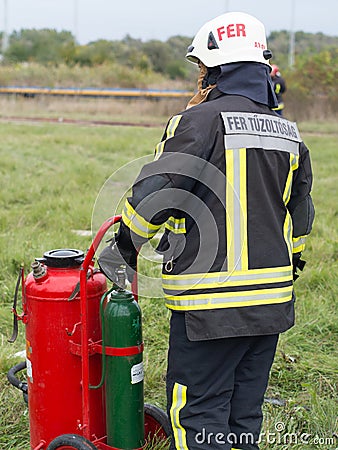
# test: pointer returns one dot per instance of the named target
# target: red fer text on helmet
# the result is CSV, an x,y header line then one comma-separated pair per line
x,y
232,30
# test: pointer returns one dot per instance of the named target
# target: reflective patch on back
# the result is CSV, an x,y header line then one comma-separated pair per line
x,y
250,130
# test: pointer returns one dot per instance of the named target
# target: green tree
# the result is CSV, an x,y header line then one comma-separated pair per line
x,y
307,45
41,46
158,53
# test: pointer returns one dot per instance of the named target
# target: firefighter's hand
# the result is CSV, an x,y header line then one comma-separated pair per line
x,y
298,263
112,259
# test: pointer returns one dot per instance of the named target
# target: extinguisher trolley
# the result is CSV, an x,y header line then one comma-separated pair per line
x,y
83,356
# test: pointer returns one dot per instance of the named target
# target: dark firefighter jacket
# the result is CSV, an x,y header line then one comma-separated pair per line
x,y
231,181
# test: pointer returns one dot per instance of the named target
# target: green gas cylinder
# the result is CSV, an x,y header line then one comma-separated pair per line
x,y
123,350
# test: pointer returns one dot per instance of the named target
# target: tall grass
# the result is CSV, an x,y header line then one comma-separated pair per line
x,y
148,112
104,75
51,175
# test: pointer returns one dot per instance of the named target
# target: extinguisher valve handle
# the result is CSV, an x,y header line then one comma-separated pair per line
x,y
121,276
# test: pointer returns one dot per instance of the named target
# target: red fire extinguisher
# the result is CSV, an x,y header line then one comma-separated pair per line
x,y
51,313
72,351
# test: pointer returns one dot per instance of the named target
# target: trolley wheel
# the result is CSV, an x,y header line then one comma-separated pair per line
x,y
156,423
70,441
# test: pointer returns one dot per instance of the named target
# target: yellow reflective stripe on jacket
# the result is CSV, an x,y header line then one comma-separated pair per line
x,y
229,201
179,400
298,244
294,162
229,299
137,223
287,228
176,225
171,128
244,210
236,207
287,232
226,279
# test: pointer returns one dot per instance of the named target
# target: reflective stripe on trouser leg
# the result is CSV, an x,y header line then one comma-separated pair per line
x,y
208,394
225,380
179,400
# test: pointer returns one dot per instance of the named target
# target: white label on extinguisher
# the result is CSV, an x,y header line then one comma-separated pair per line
x,y
29,369
137,373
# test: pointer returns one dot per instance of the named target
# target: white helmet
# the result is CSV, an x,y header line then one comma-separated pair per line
x,y
231,37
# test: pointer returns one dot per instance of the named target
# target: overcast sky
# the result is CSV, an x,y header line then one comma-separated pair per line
x,y
90,20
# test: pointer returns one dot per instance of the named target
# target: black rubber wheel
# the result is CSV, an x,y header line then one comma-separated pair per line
x,y
71,441
156,422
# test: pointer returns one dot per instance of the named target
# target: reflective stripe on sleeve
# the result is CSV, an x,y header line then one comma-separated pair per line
x,y
298,244
176,225
137,223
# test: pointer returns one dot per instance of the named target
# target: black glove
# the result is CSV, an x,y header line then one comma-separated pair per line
x,y
112,259
297,264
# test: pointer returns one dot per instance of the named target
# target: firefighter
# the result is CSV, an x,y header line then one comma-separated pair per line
x,y
231,184
279,87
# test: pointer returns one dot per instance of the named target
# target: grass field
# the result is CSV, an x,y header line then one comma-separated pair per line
x,y
51,177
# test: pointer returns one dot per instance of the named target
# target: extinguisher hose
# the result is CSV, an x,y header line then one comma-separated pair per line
x,y
21,385
15,314
103,343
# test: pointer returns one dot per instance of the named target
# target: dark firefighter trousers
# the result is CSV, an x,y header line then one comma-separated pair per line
x,y
215,389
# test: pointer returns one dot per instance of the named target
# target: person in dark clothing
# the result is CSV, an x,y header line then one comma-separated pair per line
x,y
230,183
279,87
